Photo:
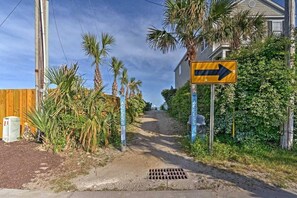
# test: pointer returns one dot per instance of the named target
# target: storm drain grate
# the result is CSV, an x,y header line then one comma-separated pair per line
x,y
167,173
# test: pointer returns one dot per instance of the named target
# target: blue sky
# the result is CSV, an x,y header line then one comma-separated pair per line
x,y
126,20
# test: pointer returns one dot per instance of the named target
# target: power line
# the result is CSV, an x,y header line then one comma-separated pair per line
x,y
96,26
79,21
158,4
57,30
94,12
11,12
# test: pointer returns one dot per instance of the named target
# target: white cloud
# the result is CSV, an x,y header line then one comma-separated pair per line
x,y
129,27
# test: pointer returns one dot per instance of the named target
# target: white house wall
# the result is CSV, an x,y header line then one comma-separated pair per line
x,y
201,56
261,6
182,74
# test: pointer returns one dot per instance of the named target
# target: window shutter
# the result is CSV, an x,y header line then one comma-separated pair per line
x,y
283,24
269,25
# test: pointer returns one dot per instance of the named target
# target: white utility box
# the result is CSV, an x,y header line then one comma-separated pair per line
x,y
11,129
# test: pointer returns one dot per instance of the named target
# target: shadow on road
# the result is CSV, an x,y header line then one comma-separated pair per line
x,y
173,155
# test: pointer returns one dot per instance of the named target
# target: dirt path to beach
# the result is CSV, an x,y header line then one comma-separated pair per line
x,y
155,145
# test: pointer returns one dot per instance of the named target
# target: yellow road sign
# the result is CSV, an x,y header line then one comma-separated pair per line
x,y
213,72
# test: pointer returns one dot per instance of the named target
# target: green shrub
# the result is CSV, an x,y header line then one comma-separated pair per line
x,y
180,102
180,107
168,95
148,106
256,103
135,107
72,114
199,148
259,99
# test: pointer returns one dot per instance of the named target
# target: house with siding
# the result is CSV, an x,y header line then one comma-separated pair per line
x,y
274,16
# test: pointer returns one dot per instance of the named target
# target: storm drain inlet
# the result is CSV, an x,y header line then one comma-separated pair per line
x,y
167,173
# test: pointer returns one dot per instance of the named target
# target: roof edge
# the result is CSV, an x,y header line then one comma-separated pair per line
x,y
276,5
180,61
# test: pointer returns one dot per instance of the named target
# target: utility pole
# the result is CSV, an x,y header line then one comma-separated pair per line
x,y
287,137
41,48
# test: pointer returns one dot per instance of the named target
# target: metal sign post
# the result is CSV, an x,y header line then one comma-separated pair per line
x,y
211,120
123,122
210,72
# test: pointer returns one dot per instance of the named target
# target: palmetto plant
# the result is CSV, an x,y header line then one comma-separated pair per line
x,y
185,22
73,114
98,51
58,105
116,66
95,129
242,26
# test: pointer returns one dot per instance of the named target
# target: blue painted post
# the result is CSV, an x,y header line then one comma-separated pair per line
x,y
123,122
194,114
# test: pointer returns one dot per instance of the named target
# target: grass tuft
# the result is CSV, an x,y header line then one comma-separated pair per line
x,y
277,165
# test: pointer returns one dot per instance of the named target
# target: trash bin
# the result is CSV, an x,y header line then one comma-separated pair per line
x,y
201,126
11,129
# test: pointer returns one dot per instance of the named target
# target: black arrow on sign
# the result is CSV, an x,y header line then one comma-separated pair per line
x,y
222,72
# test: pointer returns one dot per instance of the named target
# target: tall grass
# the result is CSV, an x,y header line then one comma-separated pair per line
x,y
279,165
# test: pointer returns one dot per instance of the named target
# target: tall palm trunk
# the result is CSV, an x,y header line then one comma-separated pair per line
x,y
122,90
235,44
127,92
114,88
191,51
97,78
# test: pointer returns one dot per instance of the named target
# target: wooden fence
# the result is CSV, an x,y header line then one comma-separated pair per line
x,y
16,102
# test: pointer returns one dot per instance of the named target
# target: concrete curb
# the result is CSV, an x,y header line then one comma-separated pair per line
x,y
17,193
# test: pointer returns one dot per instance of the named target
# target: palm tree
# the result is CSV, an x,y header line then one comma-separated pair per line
x,y
124,81
130,87
116,66
184,21
184,24
134,86
242,26
138,84
98,51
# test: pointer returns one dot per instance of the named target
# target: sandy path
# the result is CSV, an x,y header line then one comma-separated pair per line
x,y
155,145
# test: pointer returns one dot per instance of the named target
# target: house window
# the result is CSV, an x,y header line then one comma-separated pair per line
x,y
204,45
179,70
228,53
275,27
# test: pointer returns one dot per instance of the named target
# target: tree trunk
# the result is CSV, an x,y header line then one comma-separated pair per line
x,y
122,90
127,92
191,52
97,78
114,88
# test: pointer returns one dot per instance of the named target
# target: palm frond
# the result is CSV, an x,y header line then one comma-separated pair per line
x,y
90,44
106,41
161,39
220,9
116,66
124,77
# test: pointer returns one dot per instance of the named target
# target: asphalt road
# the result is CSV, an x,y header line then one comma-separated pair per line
x,y
12,193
